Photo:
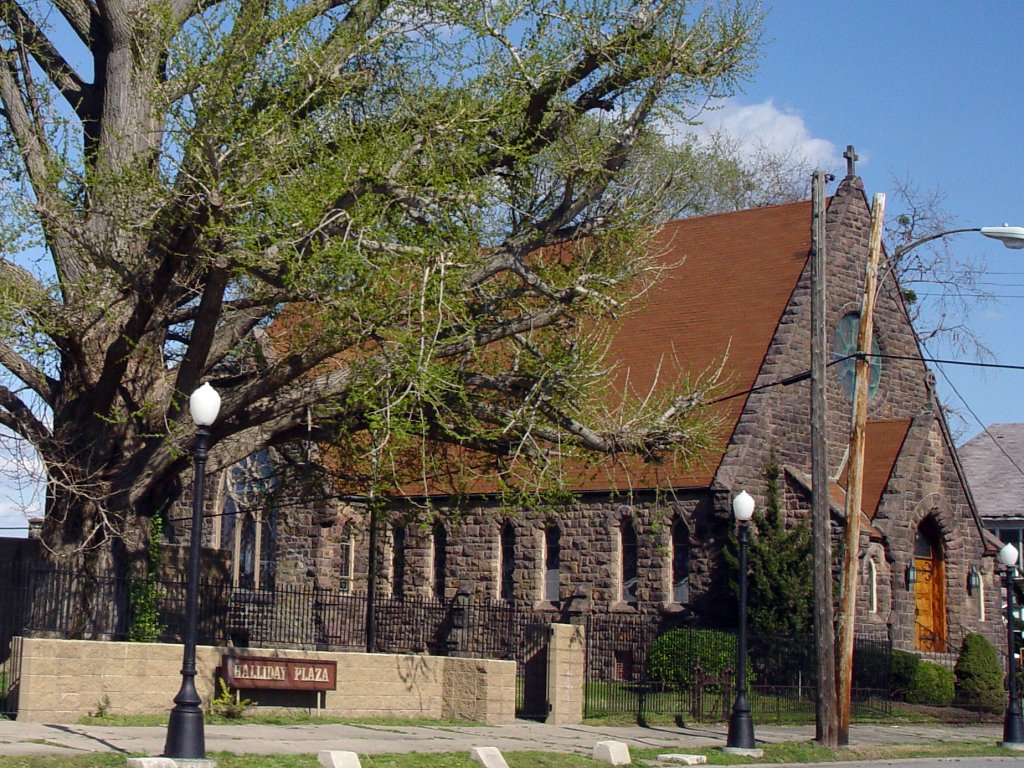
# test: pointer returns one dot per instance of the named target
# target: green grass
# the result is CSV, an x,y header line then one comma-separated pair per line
x,y
790,752
618,704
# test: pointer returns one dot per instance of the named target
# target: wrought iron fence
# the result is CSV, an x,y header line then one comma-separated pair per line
x,y
52,602
61,603
652,666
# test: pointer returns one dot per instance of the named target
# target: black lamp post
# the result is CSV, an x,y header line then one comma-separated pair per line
x,y
741,723
186,739
1013,723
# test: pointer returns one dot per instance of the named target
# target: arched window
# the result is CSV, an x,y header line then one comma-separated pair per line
x,y
627,561
680,562
398,560
507,565
440,559
872,586
247,521
552,563
844,349
346,559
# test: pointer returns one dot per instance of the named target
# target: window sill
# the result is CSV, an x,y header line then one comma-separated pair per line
x,y
623,607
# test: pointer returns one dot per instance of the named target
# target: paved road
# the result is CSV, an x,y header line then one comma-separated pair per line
x,y
49,739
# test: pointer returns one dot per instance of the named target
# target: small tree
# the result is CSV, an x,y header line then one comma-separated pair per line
x,y
144,593
779,584
979,676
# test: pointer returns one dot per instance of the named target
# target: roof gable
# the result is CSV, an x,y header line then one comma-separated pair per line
x,y
993,462
727,280
883,441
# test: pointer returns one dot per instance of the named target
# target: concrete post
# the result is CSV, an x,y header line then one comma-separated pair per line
x,y
566,667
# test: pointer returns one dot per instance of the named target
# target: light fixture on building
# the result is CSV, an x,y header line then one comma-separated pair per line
x,y
973,580
911,576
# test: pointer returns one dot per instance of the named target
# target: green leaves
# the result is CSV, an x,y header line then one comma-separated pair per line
x,y
399,227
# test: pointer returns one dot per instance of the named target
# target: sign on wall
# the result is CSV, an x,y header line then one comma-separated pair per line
x,y
285,674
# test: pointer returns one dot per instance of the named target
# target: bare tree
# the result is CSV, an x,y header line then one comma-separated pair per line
x,y
941,283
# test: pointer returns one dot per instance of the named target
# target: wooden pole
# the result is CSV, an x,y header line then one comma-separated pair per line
x,y
855,476
824,633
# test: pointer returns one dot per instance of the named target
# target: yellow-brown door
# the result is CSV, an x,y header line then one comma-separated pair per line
x,y
929,590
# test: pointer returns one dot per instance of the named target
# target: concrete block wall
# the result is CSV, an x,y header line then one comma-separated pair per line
x,y
63,680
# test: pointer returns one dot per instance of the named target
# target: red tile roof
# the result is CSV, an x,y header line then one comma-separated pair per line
x,y
727,281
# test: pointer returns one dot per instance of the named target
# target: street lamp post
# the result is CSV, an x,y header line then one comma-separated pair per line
x,y
1013,723
741,723
185,736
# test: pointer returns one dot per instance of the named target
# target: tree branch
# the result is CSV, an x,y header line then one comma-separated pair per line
x,y
31,144
19,418
82,16
203,330
36,42
32,377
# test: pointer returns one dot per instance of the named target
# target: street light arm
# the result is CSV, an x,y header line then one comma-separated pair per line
x,y
1011,237
935,236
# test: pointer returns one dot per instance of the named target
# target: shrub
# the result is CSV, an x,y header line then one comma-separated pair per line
x,y
932,685
904,665
979,676
674,656
872,667
225,704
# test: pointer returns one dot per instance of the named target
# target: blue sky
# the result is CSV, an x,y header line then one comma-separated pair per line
x,y
930,90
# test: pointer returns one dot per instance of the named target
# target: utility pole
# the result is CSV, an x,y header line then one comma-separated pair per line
x,y
855,476
824,632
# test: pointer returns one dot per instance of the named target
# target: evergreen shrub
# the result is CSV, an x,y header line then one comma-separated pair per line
x,y
979,676
674,656
932,685
872,667
904,665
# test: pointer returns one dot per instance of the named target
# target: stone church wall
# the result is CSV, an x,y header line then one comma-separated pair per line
x,y
589,568
327,546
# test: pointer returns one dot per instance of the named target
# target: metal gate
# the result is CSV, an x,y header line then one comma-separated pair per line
x,y
532,672
14,602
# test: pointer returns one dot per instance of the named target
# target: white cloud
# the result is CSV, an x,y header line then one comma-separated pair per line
x,y
764,126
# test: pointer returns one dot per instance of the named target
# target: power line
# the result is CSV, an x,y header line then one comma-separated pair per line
x,y
974,295
942,361
984,427
806,374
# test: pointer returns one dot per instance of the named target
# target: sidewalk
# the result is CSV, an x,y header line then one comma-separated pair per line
x,y
45,739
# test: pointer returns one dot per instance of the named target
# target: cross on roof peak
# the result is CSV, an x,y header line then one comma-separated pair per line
x,y
851,161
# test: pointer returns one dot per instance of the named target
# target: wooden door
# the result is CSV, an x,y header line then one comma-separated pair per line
x,y
929,592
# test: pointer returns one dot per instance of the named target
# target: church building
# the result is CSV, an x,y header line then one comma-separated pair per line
x,y
735,295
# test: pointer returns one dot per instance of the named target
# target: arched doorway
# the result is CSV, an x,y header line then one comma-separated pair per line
x,y
930,588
